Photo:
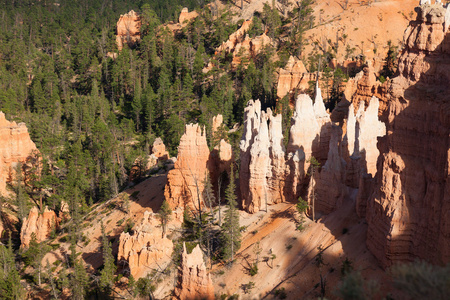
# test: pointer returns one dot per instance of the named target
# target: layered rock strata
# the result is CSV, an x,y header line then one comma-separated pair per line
x,y
38,224
145,248
128,29
262,172
185,183
292,77
408,215
16,148
194,282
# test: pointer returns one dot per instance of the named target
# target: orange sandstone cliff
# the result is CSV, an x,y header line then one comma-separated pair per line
x,y
16,147
409,213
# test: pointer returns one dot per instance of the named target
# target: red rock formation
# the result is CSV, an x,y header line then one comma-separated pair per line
x,y
240,45
185,183
141,167
262,172
15,147
128,29
145,249
194,282
41,224
293,77
330,188
216,123
225,157
186,16
159,150
409,214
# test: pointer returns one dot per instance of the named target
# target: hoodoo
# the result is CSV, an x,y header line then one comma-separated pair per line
x,y
408,215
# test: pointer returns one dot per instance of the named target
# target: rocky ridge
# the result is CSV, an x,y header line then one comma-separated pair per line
x,y
185,183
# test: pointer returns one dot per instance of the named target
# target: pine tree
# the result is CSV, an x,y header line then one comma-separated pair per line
x,y
10,287
79,281
231,234
164,214
109,267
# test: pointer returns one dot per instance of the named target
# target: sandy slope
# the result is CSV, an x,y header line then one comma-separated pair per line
x,y
294,268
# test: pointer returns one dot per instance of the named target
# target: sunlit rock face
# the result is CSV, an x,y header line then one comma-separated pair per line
x,y
16,147
145,248
409,214
194,282
185,183
38,224
128,29
262,172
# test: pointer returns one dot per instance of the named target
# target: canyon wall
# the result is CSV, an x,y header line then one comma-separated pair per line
x,y
16,147
409,214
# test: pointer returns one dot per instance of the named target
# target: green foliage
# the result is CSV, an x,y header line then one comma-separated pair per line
x,y
347,267
33,257
79,281
302,206
280,293
354,287
164,214
10,286
253,270
230,229
247,288
144,287
109,266
421,280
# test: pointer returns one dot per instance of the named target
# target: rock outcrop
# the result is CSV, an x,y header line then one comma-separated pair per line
x,y
217,121
262,172
292,77
186,16
330,187
408,215
39,224
16,147
145,248
128,29
142,166
194,282
185,183
240,45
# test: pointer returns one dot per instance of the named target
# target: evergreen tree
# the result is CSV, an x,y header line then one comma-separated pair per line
x,y
79,281
231,234
109,267
10,287
164,214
